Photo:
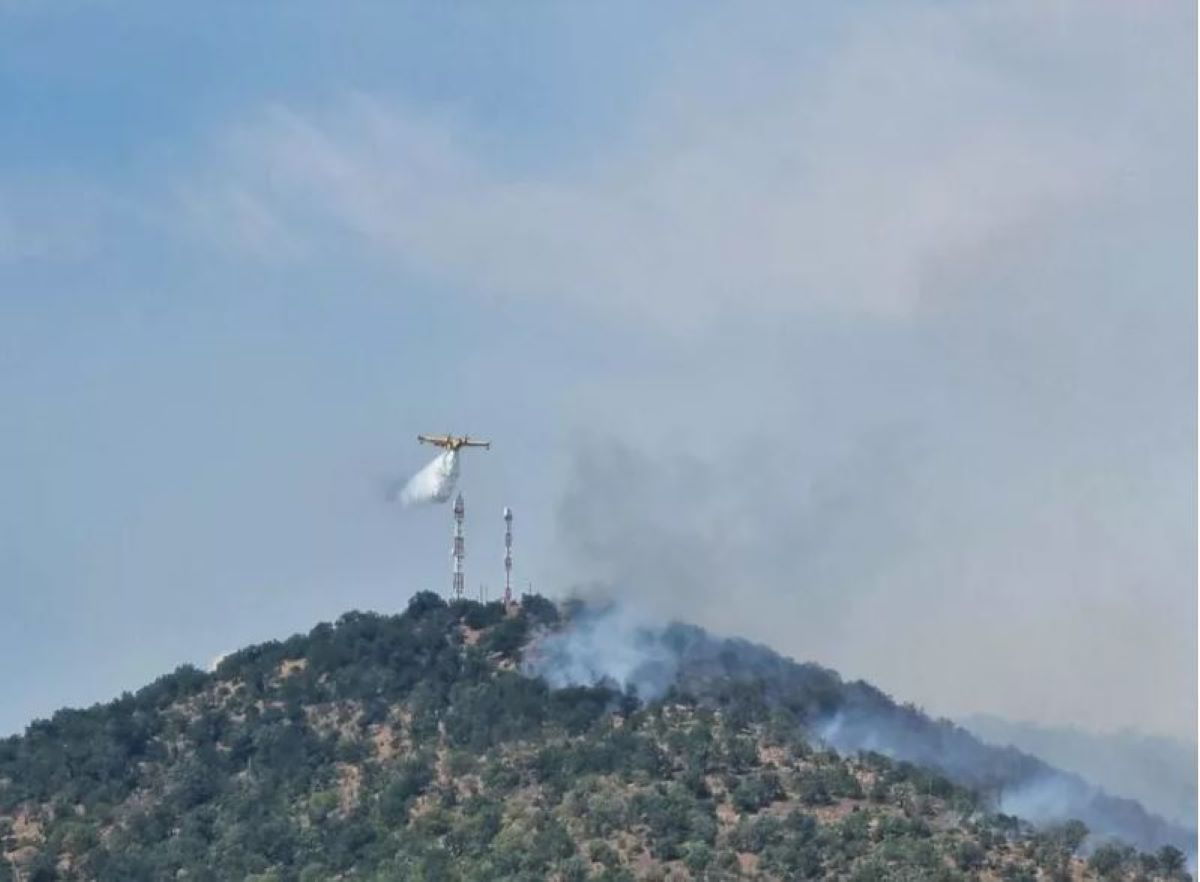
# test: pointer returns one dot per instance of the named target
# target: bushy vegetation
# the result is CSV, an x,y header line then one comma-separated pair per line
x,y
411,747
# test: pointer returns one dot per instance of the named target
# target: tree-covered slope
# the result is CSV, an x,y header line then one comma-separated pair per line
x,y
607,644
420,747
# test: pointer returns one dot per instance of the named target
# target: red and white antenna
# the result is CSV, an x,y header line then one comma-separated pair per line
x,y
507,555
458,552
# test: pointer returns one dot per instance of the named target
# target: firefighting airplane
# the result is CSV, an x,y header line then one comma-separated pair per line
x,y
453,442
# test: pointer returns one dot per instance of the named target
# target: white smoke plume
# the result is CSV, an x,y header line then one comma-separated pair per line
x,y
613,646
434,483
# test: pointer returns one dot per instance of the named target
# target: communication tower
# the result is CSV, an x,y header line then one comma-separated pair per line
x,y
507,555
458,551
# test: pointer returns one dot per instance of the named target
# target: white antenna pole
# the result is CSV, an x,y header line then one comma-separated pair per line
x,y
507,555
458,551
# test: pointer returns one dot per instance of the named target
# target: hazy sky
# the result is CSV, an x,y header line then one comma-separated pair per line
x,y
864,330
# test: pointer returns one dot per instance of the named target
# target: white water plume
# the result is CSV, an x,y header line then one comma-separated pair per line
x,y
434,483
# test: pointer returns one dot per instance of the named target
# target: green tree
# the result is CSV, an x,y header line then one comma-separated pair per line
x,y
1110,860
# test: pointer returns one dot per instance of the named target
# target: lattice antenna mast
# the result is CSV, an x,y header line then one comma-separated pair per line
x,y
507,555
458,552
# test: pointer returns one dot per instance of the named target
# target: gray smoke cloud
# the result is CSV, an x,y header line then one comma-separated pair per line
x,y
963,582
968,474
614,646
1158,772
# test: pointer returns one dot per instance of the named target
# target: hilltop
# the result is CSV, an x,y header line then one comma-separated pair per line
x,y
460,741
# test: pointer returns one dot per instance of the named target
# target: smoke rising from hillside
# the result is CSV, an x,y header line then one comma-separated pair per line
x,y
1159,772
619,646
614,646
434,483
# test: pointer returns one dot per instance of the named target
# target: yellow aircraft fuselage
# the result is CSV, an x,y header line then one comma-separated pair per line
x,y
452,442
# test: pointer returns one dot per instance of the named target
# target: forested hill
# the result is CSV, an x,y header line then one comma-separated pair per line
x,y
420,747
851,717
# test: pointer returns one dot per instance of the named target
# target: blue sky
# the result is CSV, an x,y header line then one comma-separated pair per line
x,y
867,333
